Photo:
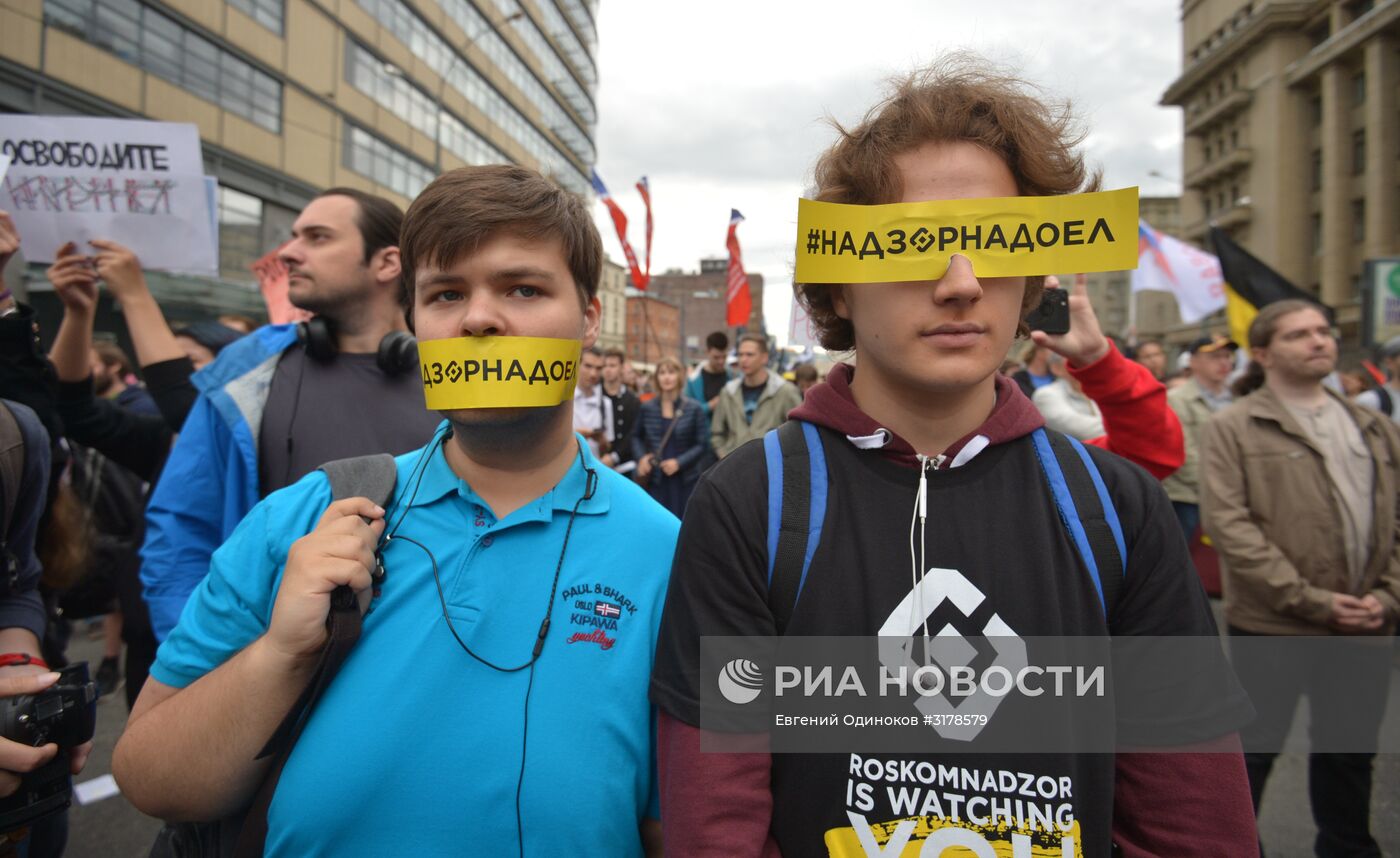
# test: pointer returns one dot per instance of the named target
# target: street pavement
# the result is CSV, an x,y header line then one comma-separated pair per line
x,y
112,828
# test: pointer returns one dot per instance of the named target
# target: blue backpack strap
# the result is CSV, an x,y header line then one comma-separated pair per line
x,y
1086,510
797,492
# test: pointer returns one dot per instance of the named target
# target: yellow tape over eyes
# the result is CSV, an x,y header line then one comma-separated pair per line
x,y
498,372
1001,237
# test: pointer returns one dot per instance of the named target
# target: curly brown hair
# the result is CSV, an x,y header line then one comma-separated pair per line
x,y
959,99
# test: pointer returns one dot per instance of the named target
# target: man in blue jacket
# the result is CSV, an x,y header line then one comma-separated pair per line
x,y
288,398
710,377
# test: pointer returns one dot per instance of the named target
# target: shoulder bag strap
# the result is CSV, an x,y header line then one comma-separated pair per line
x,y
676,418
365,476
797,489
1086,510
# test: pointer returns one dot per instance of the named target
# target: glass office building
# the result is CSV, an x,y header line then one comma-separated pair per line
x,y
292,96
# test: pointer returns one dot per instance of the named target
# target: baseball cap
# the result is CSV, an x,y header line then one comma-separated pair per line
x,y
1391,347
1212,344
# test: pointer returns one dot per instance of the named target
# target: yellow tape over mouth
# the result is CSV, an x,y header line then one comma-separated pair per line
x,y
1000,236
498,372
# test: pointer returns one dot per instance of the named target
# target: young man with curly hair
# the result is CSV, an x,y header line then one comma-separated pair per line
x,y
924,414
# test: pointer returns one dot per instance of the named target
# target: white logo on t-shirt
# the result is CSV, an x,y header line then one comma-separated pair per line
x,y
948,648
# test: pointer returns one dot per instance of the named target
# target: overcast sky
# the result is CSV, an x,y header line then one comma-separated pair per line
x,y
721,104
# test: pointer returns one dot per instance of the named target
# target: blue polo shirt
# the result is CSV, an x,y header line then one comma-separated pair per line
x,y
415,748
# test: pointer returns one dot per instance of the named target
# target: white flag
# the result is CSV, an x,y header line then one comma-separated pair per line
x,y
1192,275
800,331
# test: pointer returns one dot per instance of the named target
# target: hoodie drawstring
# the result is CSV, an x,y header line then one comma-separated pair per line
x,y
918,563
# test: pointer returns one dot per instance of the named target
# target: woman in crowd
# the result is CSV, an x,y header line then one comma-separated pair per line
x,y
670,439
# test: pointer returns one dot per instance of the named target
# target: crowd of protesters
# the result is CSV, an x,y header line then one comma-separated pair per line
x,y
176,499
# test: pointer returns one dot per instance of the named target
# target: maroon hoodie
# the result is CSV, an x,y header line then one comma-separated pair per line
x,y
830,404
1142,427
1188,802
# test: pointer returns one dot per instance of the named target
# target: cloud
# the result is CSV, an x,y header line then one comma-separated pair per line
x,y
721,104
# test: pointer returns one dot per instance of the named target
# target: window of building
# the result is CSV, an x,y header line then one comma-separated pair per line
x,y
1358,89
1206,199
1316,169
167,49
1358,220
269,13
1234,138
425,43
574,48
1315,110
388,165
1358,152
1357,8
1316,225
240,233
466,144
388,86
112,24
1234,195
380,81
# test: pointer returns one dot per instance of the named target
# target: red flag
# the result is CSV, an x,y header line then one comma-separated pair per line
x,y
738,303
644,189
620,222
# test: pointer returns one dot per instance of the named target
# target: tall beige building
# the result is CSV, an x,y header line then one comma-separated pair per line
x,y
612,295
1292,121
294,96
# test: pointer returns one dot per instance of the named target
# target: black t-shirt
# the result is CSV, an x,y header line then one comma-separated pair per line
x,y
751,397
348,407
993,532
713,383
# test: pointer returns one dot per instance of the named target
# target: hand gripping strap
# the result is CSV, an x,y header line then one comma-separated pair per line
x,y
372,477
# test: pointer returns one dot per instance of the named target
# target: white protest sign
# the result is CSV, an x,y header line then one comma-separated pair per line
x,y
4,165
137,183
93,144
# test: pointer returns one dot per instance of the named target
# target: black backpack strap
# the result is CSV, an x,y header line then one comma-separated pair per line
x,y
371,477
797,489
1086,510
1387,402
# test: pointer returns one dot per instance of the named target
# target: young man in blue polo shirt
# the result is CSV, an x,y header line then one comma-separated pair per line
x,y
441,734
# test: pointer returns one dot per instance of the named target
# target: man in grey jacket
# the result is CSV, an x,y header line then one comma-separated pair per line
x,y
1203,394
753,403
